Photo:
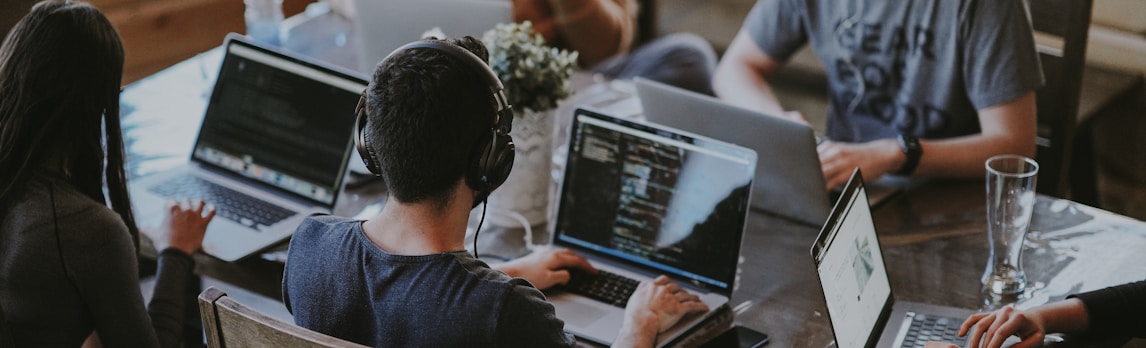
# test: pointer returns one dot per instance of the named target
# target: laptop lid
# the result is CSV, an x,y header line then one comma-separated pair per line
x,y
788,181
851,269
385,25
279,122
658,199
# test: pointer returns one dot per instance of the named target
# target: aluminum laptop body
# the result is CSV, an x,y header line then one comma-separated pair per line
x,y
850,265
277,132
642,200
385,25
788,181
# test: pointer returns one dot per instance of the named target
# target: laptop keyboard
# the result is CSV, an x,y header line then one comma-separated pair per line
x,y
229,204
926,328
607,287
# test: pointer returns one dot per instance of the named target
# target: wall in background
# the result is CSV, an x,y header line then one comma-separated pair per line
x,y
159,33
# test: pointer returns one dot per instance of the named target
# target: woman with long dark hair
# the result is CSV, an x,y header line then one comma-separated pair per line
x,y
68,240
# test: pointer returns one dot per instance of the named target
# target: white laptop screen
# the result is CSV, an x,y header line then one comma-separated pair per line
x,y
668,202
851,269
280,121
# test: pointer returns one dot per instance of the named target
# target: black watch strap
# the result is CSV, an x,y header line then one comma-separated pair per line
x,y
911,148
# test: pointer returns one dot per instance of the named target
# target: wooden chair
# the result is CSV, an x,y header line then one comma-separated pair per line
x,y
646,22
5,337
229,323
1058,100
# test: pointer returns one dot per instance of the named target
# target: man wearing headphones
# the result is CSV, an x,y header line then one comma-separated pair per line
x,y
435,126
930,88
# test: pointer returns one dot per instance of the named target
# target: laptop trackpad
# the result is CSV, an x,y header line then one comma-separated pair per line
x,y
587,318
581,316
577,311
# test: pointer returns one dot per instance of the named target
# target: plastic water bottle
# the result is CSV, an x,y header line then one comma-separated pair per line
x,y
263,20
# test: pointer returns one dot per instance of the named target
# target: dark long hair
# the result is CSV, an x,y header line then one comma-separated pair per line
x,y
60,73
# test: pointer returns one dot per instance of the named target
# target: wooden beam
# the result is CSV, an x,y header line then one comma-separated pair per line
x,y
159,33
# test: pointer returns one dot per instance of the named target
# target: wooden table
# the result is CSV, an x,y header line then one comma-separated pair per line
x,y
933,234
935,245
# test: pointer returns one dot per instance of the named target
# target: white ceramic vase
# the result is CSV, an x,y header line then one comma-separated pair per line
x,y
526,191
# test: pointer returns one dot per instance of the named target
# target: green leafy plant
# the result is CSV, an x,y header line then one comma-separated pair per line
x,y
535,75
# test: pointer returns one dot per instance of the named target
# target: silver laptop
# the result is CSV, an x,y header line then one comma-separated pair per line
x,y
789,180
640,200
852,273
272,148
385,25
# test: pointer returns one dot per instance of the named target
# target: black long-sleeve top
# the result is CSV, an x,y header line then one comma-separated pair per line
x,y
68,267
1118,310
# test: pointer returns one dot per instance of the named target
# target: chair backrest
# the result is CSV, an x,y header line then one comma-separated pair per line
x,y
1068,21
646,21
5,338
229,323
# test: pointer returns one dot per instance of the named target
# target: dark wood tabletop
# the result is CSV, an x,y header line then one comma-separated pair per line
x,y
933,234
935,246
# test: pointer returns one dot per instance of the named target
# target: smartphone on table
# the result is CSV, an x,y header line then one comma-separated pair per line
x,y
738,336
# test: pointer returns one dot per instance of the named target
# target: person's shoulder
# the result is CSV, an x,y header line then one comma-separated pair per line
x,y
78,221
318,225
319,234
82,219
327,219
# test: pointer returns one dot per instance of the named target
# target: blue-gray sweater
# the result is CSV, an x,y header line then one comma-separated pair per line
x,y
339,283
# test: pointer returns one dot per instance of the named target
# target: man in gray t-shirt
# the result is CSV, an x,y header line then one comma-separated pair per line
x,y
916,86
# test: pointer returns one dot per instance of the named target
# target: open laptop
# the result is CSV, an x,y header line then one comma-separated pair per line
x,y
857,290
385,25
272,149
640,200
789,180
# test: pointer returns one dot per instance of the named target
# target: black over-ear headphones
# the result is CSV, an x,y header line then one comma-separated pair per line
x,y
494,159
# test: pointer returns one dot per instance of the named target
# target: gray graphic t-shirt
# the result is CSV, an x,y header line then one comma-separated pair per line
x,y
916,67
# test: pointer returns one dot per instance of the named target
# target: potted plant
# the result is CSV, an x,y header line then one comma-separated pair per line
x,y
535,77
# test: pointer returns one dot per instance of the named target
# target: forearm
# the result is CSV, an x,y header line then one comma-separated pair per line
x,y
1007,128
1067,316
1117,310
745,88
964,157
508,268
597,29
167,304
637,333
741,78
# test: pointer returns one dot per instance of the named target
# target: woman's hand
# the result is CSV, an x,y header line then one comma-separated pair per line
x,y
184,226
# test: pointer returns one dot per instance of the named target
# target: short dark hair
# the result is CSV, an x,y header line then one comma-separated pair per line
x,y
428,112
60,73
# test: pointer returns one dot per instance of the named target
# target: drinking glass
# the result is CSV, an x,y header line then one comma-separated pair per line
x,y
263,19
1010,202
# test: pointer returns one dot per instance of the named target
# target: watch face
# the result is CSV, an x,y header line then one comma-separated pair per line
x,y
912,149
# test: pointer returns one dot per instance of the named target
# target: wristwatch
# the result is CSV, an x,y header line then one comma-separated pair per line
x,y
911,148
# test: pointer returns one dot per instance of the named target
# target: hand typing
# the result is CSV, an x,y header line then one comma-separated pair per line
x,y
184,226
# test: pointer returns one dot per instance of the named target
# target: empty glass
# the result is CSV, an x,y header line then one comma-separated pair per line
x,y
263,20
1010,202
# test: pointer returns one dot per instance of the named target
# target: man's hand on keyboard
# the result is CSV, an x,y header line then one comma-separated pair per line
x,y
546,268
184,226
655,307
